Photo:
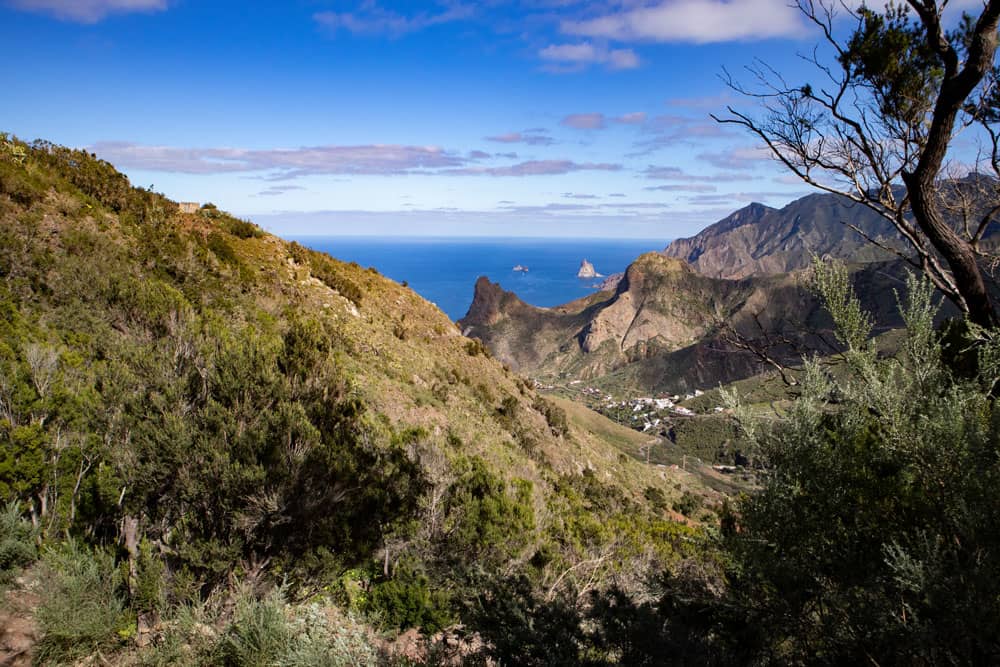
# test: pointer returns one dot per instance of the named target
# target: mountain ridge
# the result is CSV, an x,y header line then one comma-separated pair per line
x,y
759,240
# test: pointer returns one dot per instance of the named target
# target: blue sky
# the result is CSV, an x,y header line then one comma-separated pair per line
x,y
491,117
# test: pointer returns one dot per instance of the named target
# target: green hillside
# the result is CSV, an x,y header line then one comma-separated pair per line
x,y
213,409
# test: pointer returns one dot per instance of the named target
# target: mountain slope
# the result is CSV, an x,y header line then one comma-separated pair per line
x,y
758,240
669,328
244,405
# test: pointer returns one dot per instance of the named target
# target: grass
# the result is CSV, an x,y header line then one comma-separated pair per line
x,y
81,612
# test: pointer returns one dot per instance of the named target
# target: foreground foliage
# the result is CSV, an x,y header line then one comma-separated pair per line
x,y
876,536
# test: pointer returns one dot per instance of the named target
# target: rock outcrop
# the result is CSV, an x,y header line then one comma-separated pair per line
x,y
587,271
666,327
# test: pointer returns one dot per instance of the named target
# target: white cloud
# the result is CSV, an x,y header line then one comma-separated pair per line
x,y
574,57
288,162
534,168
87,11
738,158
372,19
535,137
635,118
694,21
682,187
585,121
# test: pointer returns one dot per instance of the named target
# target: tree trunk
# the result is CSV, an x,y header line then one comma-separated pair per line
x,y
959,255
921,182
130,538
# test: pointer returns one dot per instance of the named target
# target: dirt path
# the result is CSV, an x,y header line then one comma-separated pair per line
x,y
18,629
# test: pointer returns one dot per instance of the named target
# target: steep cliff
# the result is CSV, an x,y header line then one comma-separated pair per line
x,y
667,327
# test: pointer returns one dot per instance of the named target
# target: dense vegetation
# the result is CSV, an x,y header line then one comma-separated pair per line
x,y
244,452
204,430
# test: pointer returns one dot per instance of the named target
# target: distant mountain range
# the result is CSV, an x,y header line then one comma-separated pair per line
x,y
758,239
676,319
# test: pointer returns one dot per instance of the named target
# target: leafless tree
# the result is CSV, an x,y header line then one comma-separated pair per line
x,y
894,94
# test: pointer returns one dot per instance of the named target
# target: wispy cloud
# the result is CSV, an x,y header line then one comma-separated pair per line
x,y
585,121
288,162
281,164
579,56
668,131
682,187
276,190
737,158
547,208
668,173
634,118
693,21
371,19
87,11
577,195
676,174
534,137
707,102
534,168
737,198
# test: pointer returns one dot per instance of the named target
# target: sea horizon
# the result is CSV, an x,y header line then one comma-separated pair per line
x,y
444,269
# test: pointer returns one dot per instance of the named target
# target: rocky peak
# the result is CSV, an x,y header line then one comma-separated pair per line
x,y
490,304
486,299
759,240
587,271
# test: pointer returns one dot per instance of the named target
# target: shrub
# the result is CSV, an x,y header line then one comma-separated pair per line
x,y
335,280
17,541
475,347
487,520
18,186
149,589
687,504
346,644
81,611
876,525
298,252
554,416
407,601
241,228
218,244
656,498
269,632
260,634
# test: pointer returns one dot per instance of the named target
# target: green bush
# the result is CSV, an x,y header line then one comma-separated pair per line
x,y
407,601
17,185
241,228
329,274
554,416
268,632
656,498
486,521
475,347
876,527
218,244
17,541
149,595
81,610
687,504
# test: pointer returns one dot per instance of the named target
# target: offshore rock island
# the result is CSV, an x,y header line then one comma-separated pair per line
x,y
587,271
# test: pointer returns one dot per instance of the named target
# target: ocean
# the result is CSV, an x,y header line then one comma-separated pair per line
x,y
444,270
